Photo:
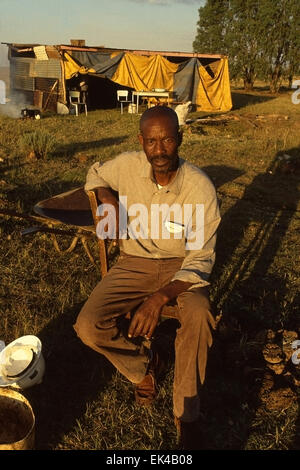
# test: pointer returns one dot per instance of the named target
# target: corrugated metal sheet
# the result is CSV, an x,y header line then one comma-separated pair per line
x,y
31,74
19,74
45,68
23,83
22,66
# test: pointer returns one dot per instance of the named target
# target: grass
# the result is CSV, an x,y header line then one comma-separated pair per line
x,y
83,403
41,143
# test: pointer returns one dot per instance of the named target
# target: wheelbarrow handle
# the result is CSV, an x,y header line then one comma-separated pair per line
x,y
32,230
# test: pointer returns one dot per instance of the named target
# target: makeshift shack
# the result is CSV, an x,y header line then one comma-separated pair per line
x,y
45,74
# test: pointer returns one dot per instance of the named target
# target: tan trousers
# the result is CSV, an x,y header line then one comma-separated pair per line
x,y
100,326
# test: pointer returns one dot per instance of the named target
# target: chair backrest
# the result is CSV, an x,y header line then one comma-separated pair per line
x,y
74,95
122,94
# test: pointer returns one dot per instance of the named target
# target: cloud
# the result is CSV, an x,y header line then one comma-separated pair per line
x,y
166,2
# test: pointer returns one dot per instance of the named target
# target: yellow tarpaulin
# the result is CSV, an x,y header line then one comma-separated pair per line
x,y
208,88
71,67
145,73
213,93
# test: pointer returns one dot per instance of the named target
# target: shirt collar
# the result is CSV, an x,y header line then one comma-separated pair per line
x,y
176,183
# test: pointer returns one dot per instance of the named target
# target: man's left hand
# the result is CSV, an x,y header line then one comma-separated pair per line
x,y
146,317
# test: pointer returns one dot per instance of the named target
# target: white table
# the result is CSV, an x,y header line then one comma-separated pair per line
x,y
149,94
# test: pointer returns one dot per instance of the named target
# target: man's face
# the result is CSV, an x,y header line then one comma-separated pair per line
x,y
160,140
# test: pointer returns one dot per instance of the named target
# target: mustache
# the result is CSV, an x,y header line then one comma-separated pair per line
x,y
161,157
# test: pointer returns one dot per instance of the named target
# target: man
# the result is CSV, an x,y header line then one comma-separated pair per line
x,y
83,87
163,259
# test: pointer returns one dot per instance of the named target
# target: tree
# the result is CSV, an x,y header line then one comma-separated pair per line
x,y
280,45
211,28
243,40
260,37
292,66
231,27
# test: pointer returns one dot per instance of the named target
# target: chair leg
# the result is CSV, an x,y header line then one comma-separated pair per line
x,y
121,108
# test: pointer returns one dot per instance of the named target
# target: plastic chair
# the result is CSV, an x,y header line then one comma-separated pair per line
x,y
122,97
74,97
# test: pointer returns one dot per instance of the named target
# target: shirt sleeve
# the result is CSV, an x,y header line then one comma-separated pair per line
x,y
104,175
200,254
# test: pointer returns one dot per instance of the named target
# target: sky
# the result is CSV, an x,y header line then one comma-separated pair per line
x,y
168,25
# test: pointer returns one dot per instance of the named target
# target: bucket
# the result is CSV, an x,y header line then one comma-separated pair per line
x,y
22,363
17,421
132,108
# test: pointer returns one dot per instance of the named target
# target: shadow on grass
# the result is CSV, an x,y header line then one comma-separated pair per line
x,y
252,298
221,174
27,195
63,152
240,100
77,147
74,376
296,443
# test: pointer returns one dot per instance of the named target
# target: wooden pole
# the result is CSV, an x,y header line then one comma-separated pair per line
x,y
51,91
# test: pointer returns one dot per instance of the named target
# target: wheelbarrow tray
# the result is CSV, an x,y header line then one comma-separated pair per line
x,y
70,208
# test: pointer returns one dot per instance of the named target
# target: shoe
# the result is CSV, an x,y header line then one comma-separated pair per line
x,y
146,391
189,435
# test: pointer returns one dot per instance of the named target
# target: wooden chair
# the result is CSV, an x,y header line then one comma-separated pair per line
x,y
169,310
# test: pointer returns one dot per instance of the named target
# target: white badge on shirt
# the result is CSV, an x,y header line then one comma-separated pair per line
x,y
173,227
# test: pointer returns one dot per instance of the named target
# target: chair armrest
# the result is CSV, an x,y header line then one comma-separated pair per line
x,y
101,243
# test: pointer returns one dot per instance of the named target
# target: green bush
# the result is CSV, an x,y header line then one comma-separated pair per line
x,y
39,142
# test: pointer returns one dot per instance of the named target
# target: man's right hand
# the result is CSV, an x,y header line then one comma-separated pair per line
x,y
106,196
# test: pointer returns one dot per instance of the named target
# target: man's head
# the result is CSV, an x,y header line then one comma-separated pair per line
x,y
160,138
